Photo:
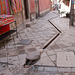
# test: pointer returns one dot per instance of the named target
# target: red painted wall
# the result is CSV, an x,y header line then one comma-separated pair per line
x,y
44,4
32,6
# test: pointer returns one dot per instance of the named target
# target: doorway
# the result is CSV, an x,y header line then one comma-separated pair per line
x,y
26,9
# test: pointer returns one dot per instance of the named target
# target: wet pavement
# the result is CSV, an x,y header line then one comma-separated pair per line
x,y
40,33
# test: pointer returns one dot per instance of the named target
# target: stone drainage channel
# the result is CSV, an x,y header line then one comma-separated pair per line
x,y
51,40
33,57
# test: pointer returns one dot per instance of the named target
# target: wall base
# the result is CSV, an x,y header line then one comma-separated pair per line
x,y
43,13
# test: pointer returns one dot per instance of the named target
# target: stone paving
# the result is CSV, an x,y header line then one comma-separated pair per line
x,y
13,56
64,44
46,70
40,33
68,59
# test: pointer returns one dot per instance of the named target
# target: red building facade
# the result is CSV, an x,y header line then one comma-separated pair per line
x,y
40,6
44,5
32,6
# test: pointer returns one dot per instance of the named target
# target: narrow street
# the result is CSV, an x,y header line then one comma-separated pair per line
x,y
57,58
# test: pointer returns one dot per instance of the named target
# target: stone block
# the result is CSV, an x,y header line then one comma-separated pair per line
x,y
65,59
41,68
33,55
53,57
44,54
73,69
51,52
50,69
46,61
64,69
25,41
22,56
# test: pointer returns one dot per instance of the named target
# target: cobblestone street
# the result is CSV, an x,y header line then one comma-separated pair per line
x,y
57,59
